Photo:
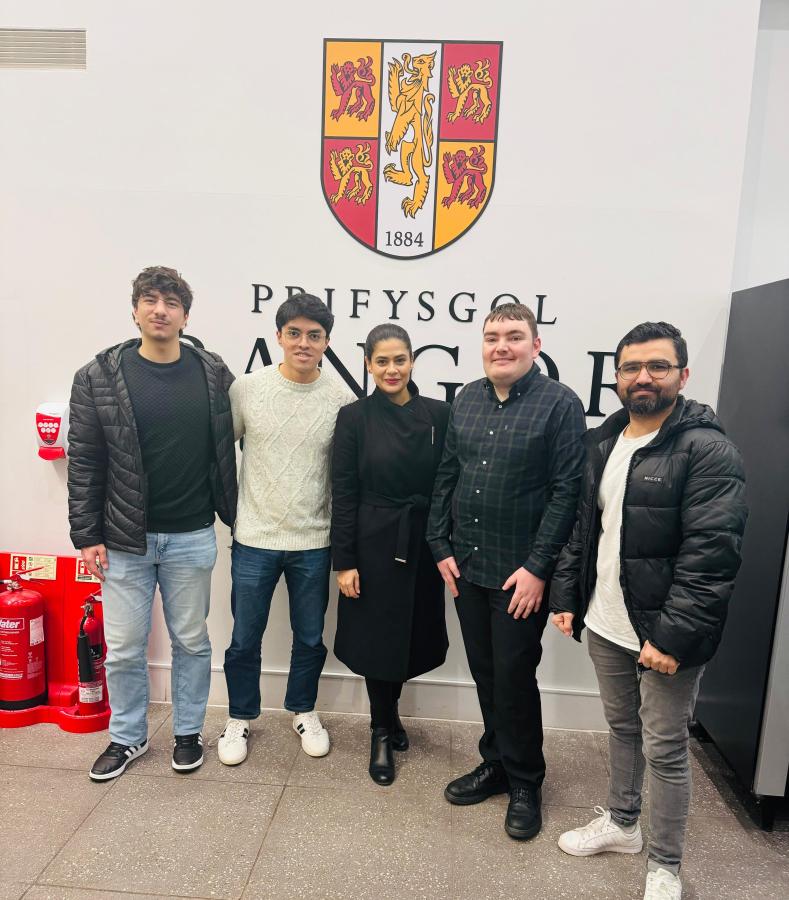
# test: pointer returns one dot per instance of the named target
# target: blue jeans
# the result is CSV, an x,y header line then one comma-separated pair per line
x,y
648,715
181,564
255,574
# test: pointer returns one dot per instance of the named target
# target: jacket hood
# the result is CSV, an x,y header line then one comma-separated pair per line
x,y
685,415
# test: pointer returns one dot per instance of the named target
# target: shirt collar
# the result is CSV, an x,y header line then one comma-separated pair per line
x,y
520,386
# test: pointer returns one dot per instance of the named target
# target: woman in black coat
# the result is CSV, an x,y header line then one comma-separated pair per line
x,y
390,619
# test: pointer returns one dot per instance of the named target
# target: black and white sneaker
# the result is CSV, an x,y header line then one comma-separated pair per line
x,y
114,760
188,752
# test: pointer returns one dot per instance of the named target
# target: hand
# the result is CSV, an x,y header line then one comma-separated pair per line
x,y
89,557
528,593
348,582
564,622
661,662
449,572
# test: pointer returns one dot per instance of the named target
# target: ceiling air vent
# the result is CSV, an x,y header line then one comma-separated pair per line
x,y
42,48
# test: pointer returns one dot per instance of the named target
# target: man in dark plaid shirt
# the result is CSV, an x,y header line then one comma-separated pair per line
x,y
503,507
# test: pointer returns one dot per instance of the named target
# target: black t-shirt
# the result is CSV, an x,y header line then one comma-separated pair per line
x,y
170,402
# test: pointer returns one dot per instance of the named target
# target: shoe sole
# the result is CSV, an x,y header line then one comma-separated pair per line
x,y
315,755
523,834
235,762
473,799
573,852
121,770
190,767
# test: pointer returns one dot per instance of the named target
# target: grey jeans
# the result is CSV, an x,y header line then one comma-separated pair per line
x,y
648,715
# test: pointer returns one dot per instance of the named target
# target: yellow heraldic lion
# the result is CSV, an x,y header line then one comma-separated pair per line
x,y
470,91
350,169
413,105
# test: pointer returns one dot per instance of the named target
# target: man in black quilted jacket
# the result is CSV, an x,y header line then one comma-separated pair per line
x,y
151,460
649,570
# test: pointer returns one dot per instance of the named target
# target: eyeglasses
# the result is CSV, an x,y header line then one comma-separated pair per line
x,y
656,368
294,334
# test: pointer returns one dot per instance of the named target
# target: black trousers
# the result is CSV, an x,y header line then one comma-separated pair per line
x,y
383,701
503,655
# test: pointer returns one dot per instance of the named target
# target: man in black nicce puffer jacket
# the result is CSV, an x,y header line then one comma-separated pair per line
x,y
649,570
151,459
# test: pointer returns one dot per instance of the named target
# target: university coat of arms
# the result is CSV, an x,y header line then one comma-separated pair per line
x,y
409,139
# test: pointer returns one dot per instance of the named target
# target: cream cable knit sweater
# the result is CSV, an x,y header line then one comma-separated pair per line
x,y
284,500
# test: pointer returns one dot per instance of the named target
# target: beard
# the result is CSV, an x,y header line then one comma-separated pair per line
x,y
656,402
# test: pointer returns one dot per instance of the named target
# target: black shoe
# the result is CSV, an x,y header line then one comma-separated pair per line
x,y
485,781
188,752
524,818
382,770
399,734
114,760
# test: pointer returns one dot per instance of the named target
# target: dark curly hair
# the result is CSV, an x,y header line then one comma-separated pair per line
x,y
164,280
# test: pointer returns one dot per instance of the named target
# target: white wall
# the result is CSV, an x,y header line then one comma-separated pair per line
x,y
193,140
762,254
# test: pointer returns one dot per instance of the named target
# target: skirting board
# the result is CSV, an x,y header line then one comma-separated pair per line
x,y
422,697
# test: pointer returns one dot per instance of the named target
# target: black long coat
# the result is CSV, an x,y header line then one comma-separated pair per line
x,y
384,462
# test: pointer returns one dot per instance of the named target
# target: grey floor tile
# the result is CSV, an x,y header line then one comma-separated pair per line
x,y
723,859
465,747
576,774
424,767
50,746
54,892
487,863
333,844
41,809
272,747
168,835
12,890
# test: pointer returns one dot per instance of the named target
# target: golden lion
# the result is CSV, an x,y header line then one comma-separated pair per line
x,y
470,91
413,106
350,169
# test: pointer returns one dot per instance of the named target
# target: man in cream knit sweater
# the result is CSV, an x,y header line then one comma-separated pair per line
x,y
286,415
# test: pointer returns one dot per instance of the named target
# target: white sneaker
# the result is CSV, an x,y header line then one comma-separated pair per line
x,y
663,885
600,835
232,746
314,737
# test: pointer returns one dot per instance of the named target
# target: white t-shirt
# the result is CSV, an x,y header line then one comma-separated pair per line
x,y
607,615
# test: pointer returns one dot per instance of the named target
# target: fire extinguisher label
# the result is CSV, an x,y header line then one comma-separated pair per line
x,y
91,692
36,631
83,574
46,565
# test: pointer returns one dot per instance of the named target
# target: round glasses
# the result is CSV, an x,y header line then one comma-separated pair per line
x,y
656,368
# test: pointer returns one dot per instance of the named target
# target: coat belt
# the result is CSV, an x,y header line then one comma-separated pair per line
x,y
416,502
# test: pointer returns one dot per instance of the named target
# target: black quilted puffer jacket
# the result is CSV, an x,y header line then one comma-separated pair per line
x,y
106,482
683,518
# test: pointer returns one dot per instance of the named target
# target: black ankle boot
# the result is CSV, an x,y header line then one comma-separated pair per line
x,y
381,769
399,734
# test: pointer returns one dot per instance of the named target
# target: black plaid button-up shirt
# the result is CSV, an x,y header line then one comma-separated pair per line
x,y
506,490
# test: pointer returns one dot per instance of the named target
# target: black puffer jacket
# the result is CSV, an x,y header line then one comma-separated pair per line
x,y
682,522
106,482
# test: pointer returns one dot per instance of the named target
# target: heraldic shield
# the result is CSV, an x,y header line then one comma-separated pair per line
x,y
409,139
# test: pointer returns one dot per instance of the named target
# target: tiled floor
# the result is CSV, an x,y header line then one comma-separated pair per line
x,y
283,825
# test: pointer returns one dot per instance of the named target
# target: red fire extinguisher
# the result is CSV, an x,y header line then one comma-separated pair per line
x,y
91,653
22,676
